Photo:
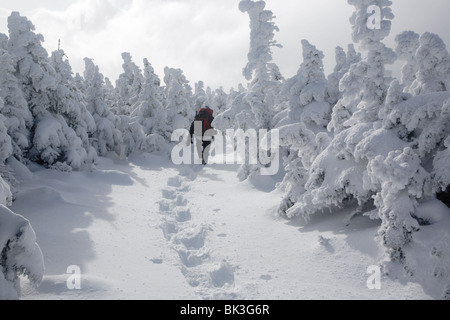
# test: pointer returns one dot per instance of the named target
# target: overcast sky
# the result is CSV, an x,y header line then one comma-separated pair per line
x,y
207,39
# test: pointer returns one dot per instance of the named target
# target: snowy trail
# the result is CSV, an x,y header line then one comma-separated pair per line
x,y
146,229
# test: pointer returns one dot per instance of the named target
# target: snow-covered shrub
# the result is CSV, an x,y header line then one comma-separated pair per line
x,y
20,255
401,181
54,141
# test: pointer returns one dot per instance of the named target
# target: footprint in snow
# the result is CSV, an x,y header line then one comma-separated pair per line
x,y
169,194
223,275
157,260
174,182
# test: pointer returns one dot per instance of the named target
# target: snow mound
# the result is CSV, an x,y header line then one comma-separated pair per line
x,y
20,255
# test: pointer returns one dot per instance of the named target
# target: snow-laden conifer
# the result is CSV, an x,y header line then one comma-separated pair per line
x,y
107,138
18,119
178,94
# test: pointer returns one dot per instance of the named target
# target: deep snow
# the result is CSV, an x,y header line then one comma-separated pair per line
x,y
145,229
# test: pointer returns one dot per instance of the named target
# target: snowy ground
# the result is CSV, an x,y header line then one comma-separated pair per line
x,y
146,229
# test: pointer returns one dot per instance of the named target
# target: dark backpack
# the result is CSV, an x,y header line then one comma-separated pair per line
x,y
205,115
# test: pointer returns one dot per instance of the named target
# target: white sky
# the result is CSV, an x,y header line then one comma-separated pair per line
x,y
207,39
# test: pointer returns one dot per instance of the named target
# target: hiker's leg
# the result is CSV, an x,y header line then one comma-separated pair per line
x,y
199,146
206,149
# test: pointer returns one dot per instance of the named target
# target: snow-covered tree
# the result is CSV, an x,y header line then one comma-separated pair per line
x,y
3,41
150,105
200,97
107,138
18,119
53,141
343,62
68,101
264,76
407,44
254,108
128,85
178,95
6,149
365,85
303,129
335,175
433,65
219,100
441,174
34,71
146,128
307,92
400,179
111,96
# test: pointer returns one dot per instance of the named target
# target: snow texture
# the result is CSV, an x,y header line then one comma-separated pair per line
x,y
363,182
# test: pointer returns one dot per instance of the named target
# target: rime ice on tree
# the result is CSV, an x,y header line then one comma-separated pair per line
x,y
107,138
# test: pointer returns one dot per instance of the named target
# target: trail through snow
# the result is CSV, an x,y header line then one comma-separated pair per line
x,y
145,229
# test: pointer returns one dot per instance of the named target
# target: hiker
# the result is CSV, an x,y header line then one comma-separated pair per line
x,y
203,131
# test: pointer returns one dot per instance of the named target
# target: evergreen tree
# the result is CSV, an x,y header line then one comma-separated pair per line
x,y
6,149
303,129
200,98
407,44
433,65
343,62
365,85
18,119
149,108
112,97
107,138
33,70
68,101
178,96
143,130
54,143
128,85
219,100
264,76
336,175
